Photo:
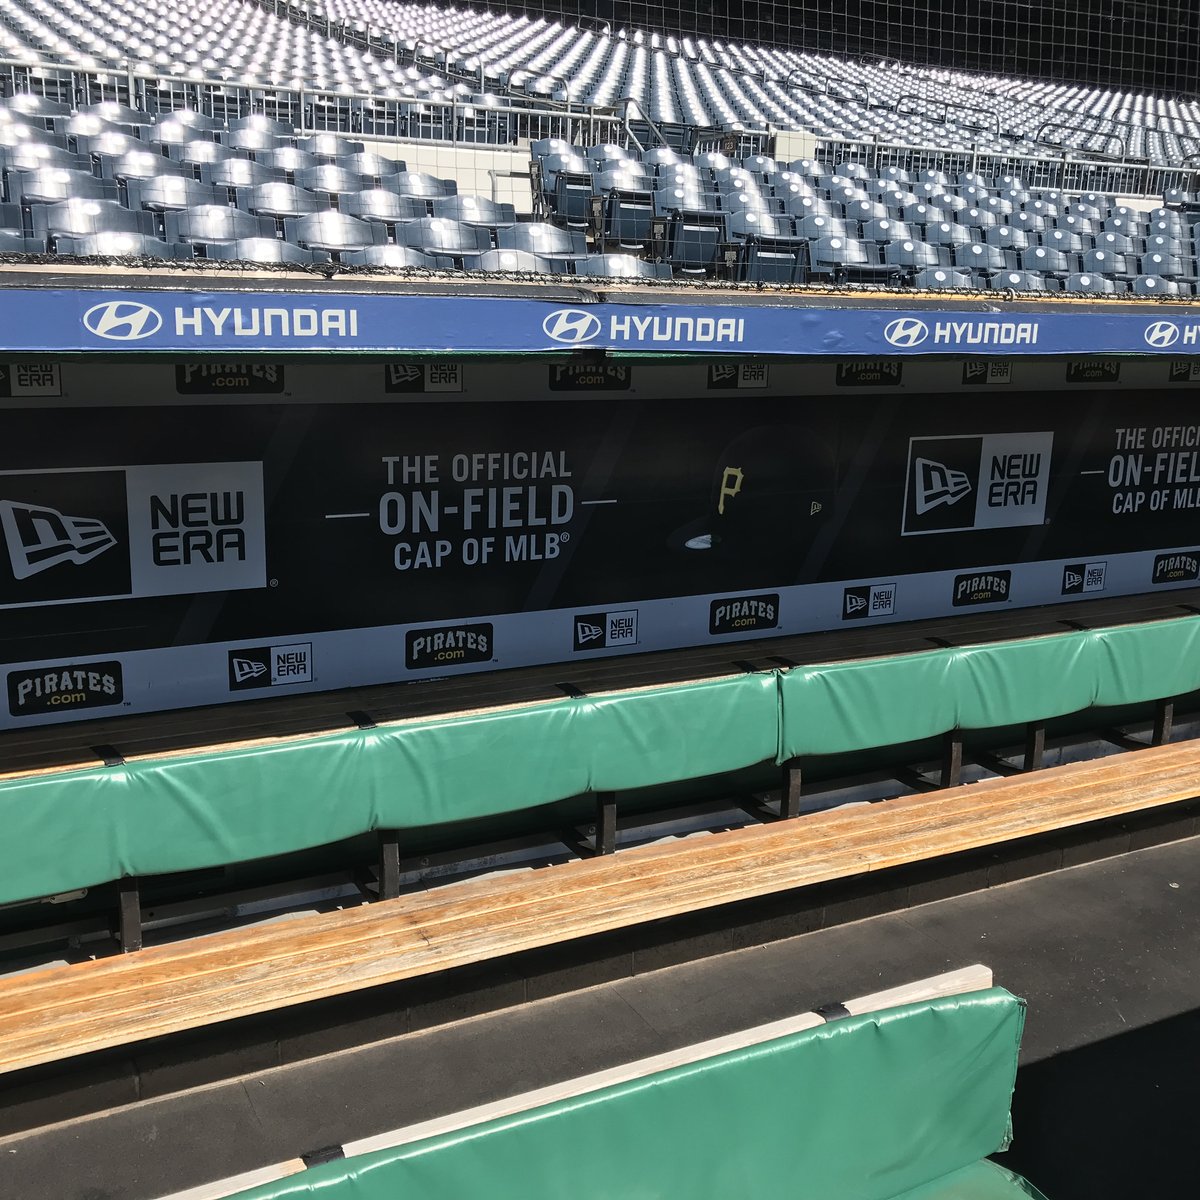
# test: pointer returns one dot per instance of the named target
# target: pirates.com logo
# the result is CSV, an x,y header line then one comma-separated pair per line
x,y
906,332
122,321
571,326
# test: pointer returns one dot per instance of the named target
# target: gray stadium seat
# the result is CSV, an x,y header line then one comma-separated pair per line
x,y
78,218
119,245
388,256
212,223
280,200
935,278
264,250
333,231
47,185
1018,281
169,192
621,266
511,260
1084,282
475,210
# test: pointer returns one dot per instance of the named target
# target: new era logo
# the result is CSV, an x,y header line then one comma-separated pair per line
x,y
598,631
869,600
245,669
39,538
938,484
270,666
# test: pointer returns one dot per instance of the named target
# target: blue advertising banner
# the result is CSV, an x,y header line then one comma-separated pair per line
x,y
71,321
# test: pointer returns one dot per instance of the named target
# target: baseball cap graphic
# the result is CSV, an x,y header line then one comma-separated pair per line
x,y
571,326
39,538
937,484
770,487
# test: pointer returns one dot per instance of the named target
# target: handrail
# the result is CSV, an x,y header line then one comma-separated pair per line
x,y
1122,143
846,84
636,103
946,108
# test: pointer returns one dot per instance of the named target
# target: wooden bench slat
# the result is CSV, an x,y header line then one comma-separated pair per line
x,y
65,1011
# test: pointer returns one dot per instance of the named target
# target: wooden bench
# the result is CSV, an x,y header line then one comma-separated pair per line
x,y
64,1011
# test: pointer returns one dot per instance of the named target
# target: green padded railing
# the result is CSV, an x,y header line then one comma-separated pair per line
x,y
81,828
903,1103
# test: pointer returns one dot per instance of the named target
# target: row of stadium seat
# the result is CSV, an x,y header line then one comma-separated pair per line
x,y
675,80
117,177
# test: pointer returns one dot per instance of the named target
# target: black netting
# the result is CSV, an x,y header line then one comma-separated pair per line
x,y
1127,44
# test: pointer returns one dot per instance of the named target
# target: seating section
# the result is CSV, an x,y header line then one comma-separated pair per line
x,y
758,220
428,57
105,180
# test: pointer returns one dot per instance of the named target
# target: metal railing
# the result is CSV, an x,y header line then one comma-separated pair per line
x,y
458,121
1038,172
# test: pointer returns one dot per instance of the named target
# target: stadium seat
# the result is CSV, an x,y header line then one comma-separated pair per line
x,y
1018,281
1156,285
212,223
450,243
333,232
264,250
1084,282
388,256
47,185
511,260
621,266
280,200
936,278
170,192
78,218
544,241
119,245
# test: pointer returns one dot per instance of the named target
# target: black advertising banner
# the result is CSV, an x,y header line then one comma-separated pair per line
x,y
459,534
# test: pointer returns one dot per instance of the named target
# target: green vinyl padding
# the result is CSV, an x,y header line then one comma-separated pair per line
x,y
980,1181
76,829
839,707
864,1108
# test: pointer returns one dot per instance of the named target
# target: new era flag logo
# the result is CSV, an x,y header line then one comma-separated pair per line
x,y
39,538
245,669
938,484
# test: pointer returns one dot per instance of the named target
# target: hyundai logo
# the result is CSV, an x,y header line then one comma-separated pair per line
x,y
906,332
1162,334
571,325
122,321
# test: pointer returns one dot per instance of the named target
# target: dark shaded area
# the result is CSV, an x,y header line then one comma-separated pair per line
x,y
1116,1118
1118,43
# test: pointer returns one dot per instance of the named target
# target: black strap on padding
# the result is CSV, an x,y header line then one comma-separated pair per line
x,y
832,1011
314,1158
110,756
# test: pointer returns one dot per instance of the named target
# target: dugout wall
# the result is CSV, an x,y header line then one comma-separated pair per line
x,y
218,496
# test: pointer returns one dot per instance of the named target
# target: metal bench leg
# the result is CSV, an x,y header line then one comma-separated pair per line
x,y
129,915
389,864
606,822
952,753
789,798
1164,716
1035,745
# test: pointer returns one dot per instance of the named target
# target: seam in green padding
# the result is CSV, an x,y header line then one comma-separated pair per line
x,y
81,828
865,1108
